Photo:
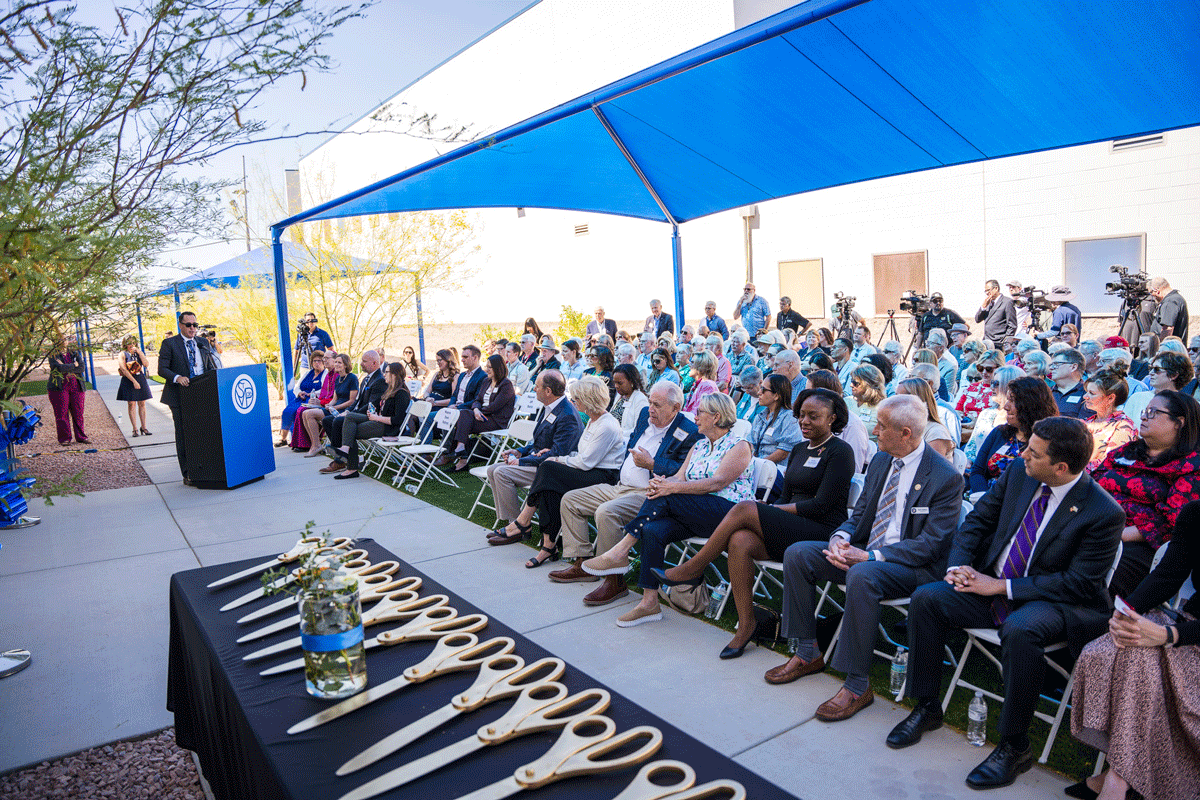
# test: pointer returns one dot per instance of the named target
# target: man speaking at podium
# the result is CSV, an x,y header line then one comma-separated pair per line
x,y
180,359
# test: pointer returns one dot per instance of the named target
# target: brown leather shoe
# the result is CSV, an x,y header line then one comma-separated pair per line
x,y
785,673
612,589
573,574
844,705
334,466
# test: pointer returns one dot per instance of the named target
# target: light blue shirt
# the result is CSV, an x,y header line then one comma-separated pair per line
x,y
572,371
768,434
755,315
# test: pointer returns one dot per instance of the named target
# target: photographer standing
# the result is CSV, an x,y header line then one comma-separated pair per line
x,y
753,311
938,316
1171,318
1024,315
1065,312
318,339
998,314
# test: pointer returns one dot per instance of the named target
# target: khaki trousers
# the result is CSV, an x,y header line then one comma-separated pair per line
x,y
612,506
505,480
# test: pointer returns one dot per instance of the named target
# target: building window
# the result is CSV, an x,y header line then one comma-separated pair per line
x,y
897,274
1086,265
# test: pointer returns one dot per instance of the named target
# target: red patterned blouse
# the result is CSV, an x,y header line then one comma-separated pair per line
x,y
1151,496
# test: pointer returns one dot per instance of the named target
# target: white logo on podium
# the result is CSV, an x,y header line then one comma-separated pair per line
x,y
244,394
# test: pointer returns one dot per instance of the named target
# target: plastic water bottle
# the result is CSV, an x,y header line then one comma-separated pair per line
x,y
899,669
793,644
977,721
714,602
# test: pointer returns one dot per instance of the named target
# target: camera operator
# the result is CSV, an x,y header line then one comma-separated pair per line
x,y
1171,318
211,335
1065,312
845,318
938,316
997,313
318,339
1024,315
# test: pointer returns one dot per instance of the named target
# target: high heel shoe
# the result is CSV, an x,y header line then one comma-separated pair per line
x,y
135,433
536,562
665,581
734,652
146,432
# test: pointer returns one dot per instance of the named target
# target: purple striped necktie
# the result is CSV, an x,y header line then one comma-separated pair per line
x,y
1022,548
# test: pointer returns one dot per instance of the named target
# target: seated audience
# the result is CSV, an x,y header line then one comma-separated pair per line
x,y
774,433
935,434
1117,356
529,352
717,474
716,346
893,352
1169,372
855,433
467,382
441,381
371,389
662,368
572,365
883,364
312,414
626,354
600,363
683,360
1147,349
598,459
740,355
811,344
1066,373
994,415
704,368
658,446
1104,393
547,357
748,406
946,413
998,578
491,411
869,389
1037,365
1135,687
645,346
816,490
518,373
977,397
1091,348
1026,402
843,362
947,364
630,397
787,364
1069,334
882,552
306,396
1153,477
386,421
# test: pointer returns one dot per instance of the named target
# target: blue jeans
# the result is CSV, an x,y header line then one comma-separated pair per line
x,y
673,518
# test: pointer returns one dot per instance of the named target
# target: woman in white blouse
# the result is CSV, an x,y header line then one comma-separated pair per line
x,y
598,460
630,398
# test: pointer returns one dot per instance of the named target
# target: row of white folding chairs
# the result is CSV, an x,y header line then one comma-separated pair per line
x,y
517,434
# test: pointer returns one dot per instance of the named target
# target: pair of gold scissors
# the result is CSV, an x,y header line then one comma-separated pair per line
x,y
543,706
674,780
356,560
431,618
299,549
501,677
371,588
453,653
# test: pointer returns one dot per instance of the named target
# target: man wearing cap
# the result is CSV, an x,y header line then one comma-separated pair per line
x,y
547,357
1171,318
601,325
787,318
752,310
997,313
959,333
938,316
1024,315
659,320
714,323
1065,312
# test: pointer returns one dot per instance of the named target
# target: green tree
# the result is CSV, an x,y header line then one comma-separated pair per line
x,y
571,324
103,135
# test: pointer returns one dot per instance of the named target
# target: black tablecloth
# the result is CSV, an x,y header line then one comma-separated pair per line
x,y
236,720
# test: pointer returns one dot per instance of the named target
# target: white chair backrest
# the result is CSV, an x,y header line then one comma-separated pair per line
x,y
527,405
857,483
1116,560
741,429
522,430
1158,555
414,387
765,473
959,459
420,409
872,451
446,418
967,508
690,415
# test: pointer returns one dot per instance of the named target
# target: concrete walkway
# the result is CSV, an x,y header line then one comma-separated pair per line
x,y
86,592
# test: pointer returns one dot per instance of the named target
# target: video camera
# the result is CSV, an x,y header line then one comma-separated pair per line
x,y
842,305
914,303
1032,298
1133,288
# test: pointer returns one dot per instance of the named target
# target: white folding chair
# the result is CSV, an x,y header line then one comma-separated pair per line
x,y
741,428
872,451
976,637
420,458
520,432
959,459
385,453
414,387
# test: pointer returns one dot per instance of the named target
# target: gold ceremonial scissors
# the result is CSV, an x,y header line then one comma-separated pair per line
x,y
543,706
431,619
372,587
357,559
453,653
500,677
652,783
580,750
300,548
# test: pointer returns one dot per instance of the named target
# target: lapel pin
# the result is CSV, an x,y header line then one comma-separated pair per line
x,y
917,488
1074,509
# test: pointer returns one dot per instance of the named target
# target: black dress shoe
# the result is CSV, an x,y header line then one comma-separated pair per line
x,y
1002,767
735,652
1081,790
665,581
923,718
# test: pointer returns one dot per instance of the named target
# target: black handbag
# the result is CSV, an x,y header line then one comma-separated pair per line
x,y
769,626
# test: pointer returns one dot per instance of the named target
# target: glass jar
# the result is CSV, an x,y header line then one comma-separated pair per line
x,y
331,634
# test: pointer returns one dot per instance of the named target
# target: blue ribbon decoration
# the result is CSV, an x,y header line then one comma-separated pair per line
x,y
326,643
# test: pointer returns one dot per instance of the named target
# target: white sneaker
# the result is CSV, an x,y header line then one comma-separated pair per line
x,y
638,616
606,565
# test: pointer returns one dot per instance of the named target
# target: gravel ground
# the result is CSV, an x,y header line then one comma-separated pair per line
x,y
112,466
154,768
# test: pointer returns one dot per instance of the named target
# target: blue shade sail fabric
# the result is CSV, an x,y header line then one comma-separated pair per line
x,y
258,263
826,93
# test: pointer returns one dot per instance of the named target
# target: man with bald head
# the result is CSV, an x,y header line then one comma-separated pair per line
x,y
896,540
371,387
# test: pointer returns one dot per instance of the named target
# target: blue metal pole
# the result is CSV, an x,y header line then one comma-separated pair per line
x,y
87,331
175,288
141,337
281,309
420,322
677,267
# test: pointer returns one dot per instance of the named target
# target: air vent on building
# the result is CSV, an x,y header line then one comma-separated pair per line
x,y
1138,142
581,230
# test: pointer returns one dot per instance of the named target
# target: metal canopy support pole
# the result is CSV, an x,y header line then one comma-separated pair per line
x,y
676,252
87,332
281,310
175,289
137,304
420,321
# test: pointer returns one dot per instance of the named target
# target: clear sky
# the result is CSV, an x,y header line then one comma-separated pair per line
x,y
397,42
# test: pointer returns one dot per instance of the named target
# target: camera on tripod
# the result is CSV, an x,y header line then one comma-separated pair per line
x,y
1032,298
1130,287
842,305
914,303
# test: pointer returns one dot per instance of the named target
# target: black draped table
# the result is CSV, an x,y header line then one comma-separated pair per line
x,y
237,721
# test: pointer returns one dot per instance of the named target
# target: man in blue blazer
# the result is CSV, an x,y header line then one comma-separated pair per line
x,y
181,358
559,427
1030,560
659,444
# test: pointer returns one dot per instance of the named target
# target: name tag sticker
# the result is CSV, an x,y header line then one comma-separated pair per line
x,y
919,510
550,418
1075,398
812,462
1125,462
771,431
680,434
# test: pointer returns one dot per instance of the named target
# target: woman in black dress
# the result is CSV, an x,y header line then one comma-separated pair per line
x,y
815,495
135,386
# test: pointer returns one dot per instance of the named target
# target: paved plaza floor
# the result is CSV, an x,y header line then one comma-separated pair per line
x,y
87,592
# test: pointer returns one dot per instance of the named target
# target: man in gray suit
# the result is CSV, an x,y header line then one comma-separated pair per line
x,y
896,540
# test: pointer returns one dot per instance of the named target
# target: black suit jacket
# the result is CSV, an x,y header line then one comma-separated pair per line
x,y
936,494
681,434
560,434
173,361
473,385
370,392
1071,558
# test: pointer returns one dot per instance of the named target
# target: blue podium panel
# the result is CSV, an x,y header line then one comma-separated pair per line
x,y
245,423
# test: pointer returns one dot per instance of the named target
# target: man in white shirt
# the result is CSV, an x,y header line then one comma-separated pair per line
x,y
518,373
843,364
862,344
947,364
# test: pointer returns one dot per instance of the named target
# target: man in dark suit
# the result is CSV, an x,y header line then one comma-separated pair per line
x,y
658,446
370,397
181,358
557,434
1031,559
998,315
895,541
659,320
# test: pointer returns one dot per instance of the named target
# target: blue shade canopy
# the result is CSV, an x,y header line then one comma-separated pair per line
x,y
258,263
827,93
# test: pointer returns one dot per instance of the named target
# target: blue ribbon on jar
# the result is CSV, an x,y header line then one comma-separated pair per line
x,y
328,642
